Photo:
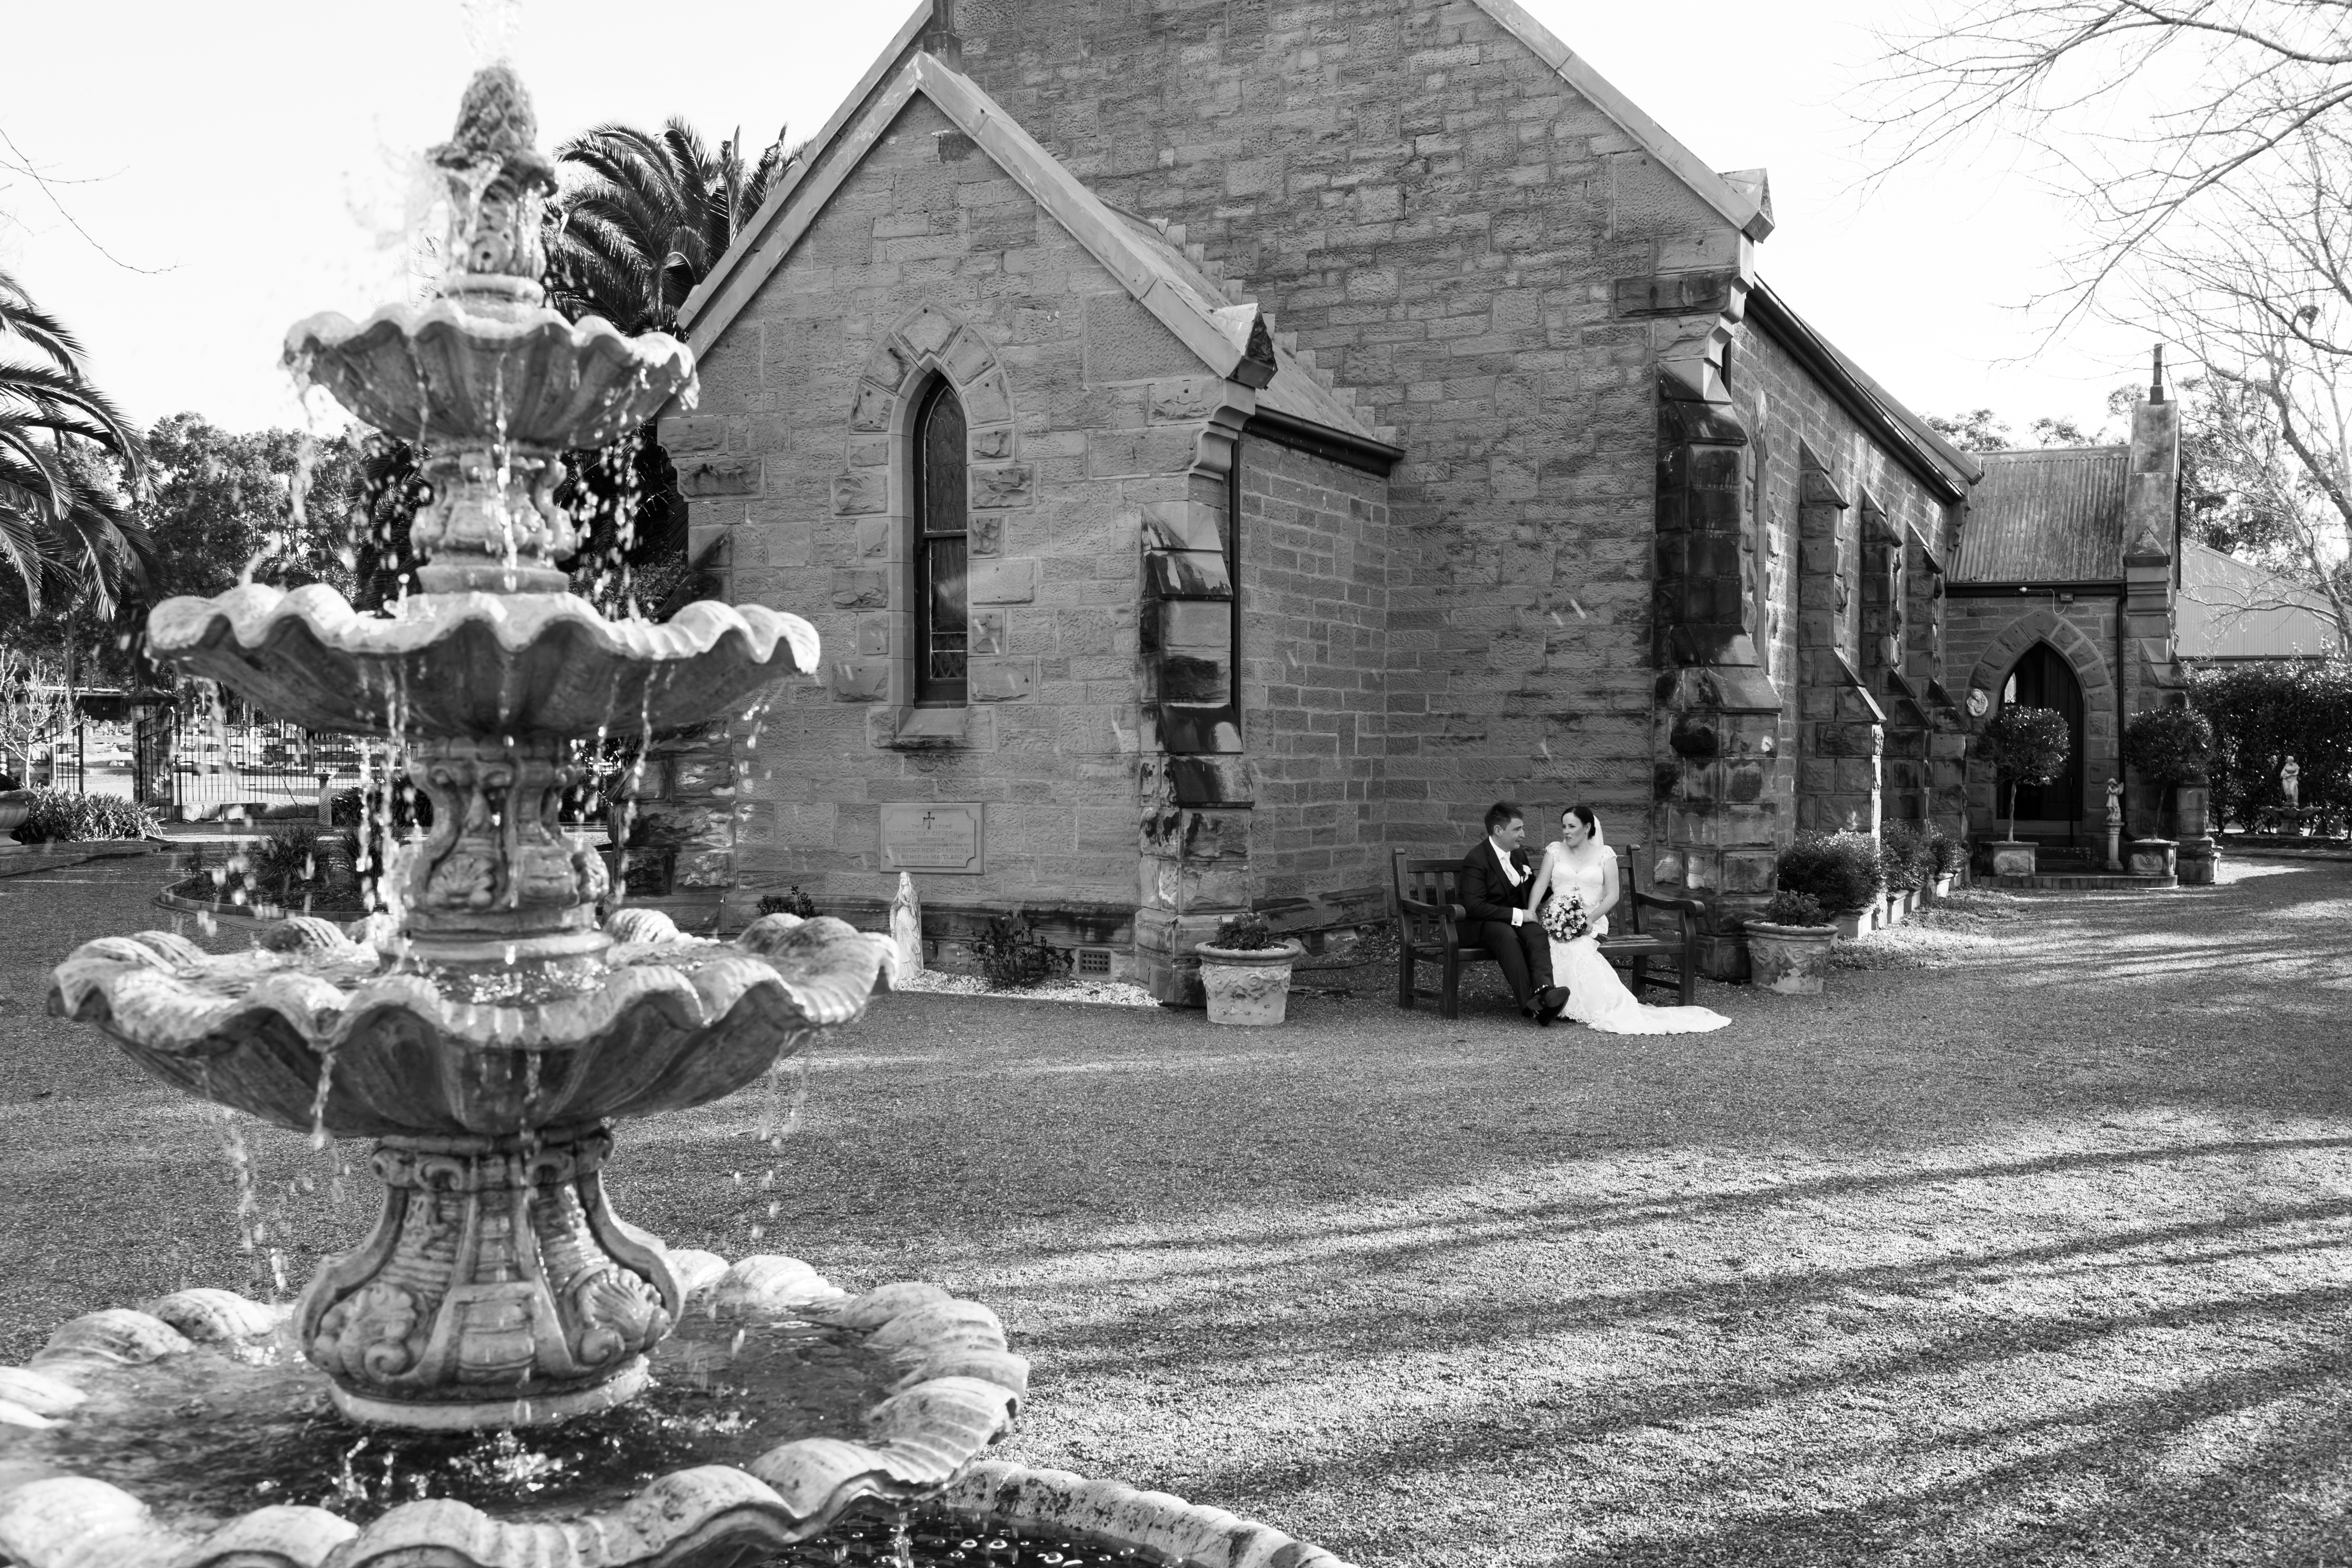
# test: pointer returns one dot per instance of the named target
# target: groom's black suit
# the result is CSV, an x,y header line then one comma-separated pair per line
x,y
1487,898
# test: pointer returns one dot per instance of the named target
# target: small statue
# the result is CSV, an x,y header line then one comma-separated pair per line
x,y
907,926
2290,783
2115,825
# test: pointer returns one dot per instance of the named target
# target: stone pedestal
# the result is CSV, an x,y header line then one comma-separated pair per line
x,y
2199,862
1195,872
2011,857
498,1289
2153,858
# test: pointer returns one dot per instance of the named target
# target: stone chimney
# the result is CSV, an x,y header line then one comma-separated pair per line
x,y
2152,488
940,38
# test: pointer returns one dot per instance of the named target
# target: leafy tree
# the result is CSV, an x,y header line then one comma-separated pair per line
x,y
1977,430
2026,746
2259,75
64,529
271,506
2264,713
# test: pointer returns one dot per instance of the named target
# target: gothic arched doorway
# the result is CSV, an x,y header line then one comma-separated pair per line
x,y
2042,679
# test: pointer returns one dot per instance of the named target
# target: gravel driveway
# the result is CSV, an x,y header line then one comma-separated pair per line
x,y
2042,1256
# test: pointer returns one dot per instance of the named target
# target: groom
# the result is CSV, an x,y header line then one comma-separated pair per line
x,y
1495,881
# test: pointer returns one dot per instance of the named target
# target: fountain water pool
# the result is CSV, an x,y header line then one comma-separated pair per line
x,y
506,1374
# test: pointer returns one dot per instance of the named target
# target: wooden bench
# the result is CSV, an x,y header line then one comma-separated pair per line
x,y
1432,928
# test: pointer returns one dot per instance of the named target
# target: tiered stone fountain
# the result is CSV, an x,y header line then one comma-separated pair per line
x,y
487,1034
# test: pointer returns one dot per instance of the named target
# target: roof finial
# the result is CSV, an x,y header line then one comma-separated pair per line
x,y
2156,378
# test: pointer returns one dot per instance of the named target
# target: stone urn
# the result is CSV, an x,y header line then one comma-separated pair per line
x,y
2010,856
1247,986
15,804
1791,960
2153,858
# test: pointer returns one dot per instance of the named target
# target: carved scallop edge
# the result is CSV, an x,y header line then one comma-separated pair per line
x,y
960,1392
252,615
327,1016
1192,1534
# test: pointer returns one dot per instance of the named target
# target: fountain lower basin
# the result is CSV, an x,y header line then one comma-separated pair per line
x,y
193,1433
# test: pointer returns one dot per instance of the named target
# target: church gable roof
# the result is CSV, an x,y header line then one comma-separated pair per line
x,y
1742,199
1230,339
2053,516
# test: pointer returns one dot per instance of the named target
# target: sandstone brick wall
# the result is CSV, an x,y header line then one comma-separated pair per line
x,y
930,255
1422,202
1789,417
1315,608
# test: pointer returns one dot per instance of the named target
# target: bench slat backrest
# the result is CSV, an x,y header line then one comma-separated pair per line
x,y
1428,883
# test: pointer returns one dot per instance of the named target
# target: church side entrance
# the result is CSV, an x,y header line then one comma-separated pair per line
x,y
2053,811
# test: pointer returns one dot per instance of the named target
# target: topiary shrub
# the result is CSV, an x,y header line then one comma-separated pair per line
x,y
61,816
1788,909
1839,870
2168,746
2026,746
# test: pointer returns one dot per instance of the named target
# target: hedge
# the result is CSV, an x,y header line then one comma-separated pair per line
x,y
2261,715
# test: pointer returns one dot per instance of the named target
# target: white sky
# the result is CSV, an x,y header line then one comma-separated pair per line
x,y
252,155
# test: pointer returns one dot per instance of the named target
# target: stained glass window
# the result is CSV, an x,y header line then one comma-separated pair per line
x,y
943,613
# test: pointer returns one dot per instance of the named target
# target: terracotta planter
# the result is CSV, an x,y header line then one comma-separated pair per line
x,y
2012,856
15,804
1247,987
1791,960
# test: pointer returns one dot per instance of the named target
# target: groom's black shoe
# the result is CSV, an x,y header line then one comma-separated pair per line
x,y
1555,1001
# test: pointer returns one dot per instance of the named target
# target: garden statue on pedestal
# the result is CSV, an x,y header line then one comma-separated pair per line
x,y
2115,824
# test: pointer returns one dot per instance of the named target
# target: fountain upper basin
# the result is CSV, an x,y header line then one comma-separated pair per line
x,y
478,663
445,373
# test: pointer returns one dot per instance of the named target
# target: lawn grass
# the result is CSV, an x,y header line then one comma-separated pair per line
x,y
2038,1254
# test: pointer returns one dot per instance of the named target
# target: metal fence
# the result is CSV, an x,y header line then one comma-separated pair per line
x,y
194,766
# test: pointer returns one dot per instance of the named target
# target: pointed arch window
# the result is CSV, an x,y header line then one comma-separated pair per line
x,y
942,525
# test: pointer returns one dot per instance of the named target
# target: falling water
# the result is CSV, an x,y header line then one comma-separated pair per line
x,y
319,1140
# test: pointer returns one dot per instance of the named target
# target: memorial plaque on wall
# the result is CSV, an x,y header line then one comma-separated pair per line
x,y
933,836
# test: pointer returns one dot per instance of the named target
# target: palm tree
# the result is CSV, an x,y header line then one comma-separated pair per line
x,y
652,217
63,527
648,218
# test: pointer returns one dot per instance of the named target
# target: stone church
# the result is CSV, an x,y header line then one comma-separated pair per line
x,y
1223,443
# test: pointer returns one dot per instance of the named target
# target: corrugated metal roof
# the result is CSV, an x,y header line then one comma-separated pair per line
x,y
2046,517
2232,609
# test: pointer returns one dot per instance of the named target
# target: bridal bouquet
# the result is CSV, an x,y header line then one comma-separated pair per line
x,y
1564,918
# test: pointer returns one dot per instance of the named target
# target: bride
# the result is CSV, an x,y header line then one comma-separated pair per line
x,y
1580,870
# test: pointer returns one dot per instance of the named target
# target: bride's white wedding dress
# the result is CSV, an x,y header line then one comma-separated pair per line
x,y
1595,994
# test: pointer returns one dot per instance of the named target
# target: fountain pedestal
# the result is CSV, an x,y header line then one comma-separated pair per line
x,y
498,1289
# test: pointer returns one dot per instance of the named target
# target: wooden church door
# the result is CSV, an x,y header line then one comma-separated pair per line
x,y
2043,678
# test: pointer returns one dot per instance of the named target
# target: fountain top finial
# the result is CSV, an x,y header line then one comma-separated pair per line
x,y
497,129
497,181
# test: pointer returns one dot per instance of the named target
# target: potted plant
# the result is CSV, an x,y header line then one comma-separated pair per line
x,y
1246,969
1947,855
1898,849
2169,748
2026,746
1789,948
1840,871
